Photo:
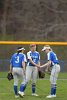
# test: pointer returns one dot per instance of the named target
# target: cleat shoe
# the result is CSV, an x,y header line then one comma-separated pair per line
x,y
54,95
50,96
16,96
21,94
34,94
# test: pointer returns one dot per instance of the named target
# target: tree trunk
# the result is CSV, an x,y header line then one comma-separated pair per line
x,y
4,19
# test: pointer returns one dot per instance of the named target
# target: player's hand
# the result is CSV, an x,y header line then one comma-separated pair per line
x,y
38,66
41,66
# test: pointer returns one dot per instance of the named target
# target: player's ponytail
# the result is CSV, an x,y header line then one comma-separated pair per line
x,y
19,49
19,52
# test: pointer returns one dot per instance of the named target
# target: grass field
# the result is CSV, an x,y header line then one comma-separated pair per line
x,y
43,88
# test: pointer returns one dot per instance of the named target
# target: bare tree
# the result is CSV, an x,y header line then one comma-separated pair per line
x,y
4,19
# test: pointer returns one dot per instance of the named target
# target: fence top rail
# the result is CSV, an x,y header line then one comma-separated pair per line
x,y
32,42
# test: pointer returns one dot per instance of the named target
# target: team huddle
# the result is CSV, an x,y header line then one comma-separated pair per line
x,y
26,68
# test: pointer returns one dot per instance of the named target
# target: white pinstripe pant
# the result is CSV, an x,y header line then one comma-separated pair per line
x,y
54,73
18,74
31,73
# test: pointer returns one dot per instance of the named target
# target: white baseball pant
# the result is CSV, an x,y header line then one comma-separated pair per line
x,y
54,73
31,73
18,74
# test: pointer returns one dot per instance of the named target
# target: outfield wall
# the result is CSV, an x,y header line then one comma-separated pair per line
x,y
4,65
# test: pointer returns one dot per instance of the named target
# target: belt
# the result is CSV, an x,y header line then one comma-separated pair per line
x,y
56,64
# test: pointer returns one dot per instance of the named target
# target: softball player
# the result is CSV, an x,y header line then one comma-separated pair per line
x,y
33,62
54,63
17,67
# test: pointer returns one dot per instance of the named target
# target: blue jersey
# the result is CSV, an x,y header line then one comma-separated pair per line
x,y
25,59
17,59
52,56
35,56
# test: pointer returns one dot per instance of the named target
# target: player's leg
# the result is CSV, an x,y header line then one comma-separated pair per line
x,y
28,73
53,78
21,74
28,77
34,79
23,84
15,82
22,77
57,70
53,83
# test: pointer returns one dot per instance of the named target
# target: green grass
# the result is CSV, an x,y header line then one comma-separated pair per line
x,y
43,89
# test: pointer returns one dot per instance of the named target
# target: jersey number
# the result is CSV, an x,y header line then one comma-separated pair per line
x,y
17,59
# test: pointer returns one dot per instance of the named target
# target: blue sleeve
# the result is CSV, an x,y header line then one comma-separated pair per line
x,y
22,58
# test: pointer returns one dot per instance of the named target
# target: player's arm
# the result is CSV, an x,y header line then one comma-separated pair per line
x,y
39,60
46,64
23,64
37,65
10,69
32,62
25,59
